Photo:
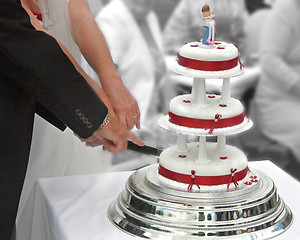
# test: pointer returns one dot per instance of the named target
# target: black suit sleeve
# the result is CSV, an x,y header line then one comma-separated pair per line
x,y
35,76
36,63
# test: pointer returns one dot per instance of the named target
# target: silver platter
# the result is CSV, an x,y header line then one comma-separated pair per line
x,y
149,210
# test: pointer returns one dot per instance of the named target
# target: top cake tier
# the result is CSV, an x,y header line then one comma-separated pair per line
x,y
220,60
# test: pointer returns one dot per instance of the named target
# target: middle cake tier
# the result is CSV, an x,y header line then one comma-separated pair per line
x,y
215,115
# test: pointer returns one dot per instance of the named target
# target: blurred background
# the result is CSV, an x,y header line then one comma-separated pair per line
x,y
144,36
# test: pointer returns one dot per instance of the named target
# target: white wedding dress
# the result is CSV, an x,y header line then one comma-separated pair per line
x,y
53,152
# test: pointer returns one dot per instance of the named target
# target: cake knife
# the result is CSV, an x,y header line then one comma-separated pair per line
x,y
144,149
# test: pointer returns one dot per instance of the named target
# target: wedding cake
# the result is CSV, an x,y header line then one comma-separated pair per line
x,y
206,166
202,189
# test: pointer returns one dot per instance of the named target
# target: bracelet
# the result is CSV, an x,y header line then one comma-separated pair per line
x,y
105,122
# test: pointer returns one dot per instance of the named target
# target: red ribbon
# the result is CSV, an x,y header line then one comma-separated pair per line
x,y
233,177
193,181
211,124
214,123
208,65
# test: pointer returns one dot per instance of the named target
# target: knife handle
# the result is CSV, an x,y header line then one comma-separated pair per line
x,y
143,149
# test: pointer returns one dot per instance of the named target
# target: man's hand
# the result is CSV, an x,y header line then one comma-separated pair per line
x,y
113,136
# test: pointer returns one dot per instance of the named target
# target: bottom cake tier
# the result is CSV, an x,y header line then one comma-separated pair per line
x,y
216,170
147,209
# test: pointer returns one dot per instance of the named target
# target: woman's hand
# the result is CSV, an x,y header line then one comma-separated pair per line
x,y
124,104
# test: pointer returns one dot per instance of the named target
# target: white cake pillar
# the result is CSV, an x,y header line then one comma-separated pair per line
x,y
194,88
226,95
182,143
199,92
221,143
202,151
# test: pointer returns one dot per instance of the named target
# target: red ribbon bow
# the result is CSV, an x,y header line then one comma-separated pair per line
x,y
214,123
231,180
193,181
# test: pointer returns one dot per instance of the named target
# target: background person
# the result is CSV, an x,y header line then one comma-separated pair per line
x,y
278,91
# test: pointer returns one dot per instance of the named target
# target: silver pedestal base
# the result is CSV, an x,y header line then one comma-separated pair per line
x,y
148,210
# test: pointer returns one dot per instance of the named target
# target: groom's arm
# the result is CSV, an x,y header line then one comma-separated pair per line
x,y
36,63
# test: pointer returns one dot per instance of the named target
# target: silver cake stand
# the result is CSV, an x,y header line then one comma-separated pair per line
x,y
149,210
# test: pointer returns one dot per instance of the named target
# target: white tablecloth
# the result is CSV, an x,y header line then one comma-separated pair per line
x,y
75,207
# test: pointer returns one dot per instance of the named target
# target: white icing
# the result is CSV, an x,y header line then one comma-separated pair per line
x,y
203,53
168,183
245,125
205,74
215,166
208,53
212,107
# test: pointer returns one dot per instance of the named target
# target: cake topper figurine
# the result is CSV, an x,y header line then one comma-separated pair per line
x,y
208,26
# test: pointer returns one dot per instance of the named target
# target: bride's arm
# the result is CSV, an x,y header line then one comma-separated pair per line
x,y
39,27
113,137
93,46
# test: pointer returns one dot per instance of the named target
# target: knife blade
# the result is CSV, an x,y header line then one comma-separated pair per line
x,y
144,149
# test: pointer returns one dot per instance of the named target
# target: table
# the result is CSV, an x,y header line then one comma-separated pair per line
x,y
75,207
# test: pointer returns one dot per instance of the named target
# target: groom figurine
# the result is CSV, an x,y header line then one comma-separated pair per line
x,y
208,26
